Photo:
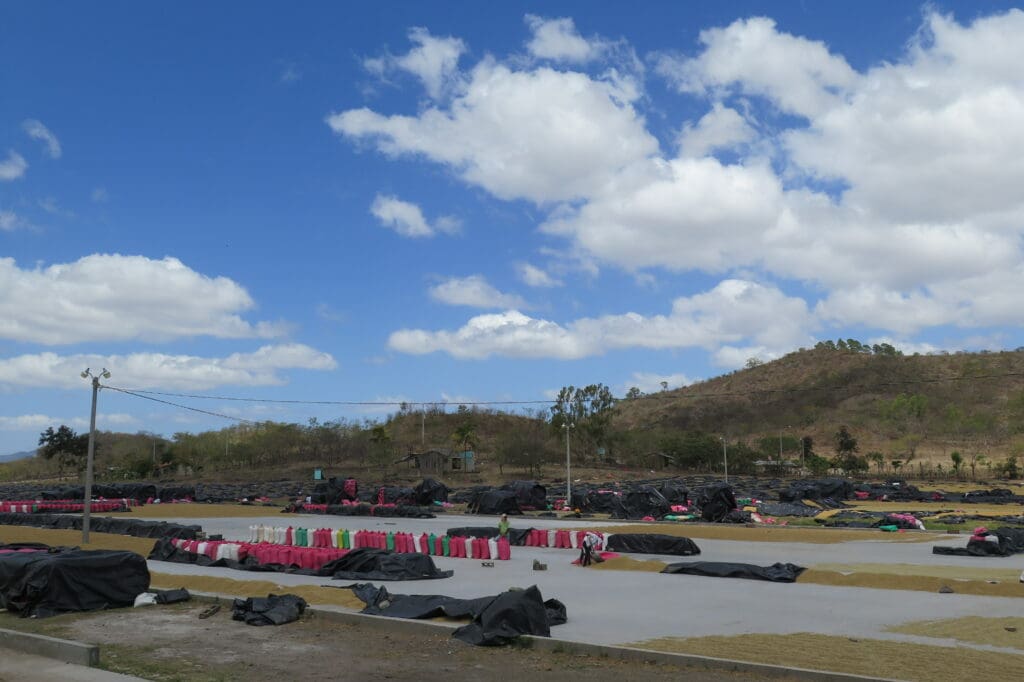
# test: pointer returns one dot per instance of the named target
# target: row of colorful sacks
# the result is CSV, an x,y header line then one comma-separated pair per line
x,y
408,543
52,506
563,539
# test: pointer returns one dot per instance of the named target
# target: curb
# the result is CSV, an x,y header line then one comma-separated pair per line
x,y
64,650
553,645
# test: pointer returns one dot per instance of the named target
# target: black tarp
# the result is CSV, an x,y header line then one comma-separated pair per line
x,y
652,543
495,502
776,573
787,509
529,494
359,564
644,501
138,528
428,491
1011,541
334,490
716,501
824,489
516,536
367,563
496,620
675,492
270,610
50,582
393,494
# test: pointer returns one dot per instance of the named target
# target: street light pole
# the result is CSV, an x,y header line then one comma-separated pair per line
x,y
87,507
725,458
568,471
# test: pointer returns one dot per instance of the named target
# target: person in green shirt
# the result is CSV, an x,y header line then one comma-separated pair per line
x,y
503,526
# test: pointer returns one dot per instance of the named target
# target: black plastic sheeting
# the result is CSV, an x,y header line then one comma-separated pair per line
x,y
824,489
497,620
495,502
360,564
367,563
652,543
516,536
270,610
716,501
1011,541
776,573
49,582
132,491
642,502
334,490
429,491
529,494
103,524
787,509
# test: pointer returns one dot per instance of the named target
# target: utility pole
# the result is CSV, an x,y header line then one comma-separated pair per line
x,y
423,428
87,507
568,471
725,459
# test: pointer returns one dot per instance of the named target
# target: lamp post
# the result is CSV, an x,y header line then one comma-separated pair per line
x,y
568,426
87,507
725,459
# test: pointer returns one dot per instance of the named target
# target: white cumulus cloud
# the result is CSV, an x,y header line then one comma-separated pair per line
x,y
164,371
735,310
473,291
435,61
109,297
406,218
532,276
558,40
542,135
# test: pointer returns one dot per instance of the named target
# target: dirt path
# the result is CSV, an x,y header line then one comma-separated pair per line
x,y
171,643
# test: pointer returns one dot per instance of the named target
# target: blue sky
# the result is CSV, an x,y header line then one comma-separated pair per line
x,y
454,202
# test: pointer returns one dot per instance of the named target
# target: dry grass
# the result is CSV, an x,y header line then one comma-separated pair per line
x,y
917,583
765,533
73,538
1002,632
194,510
878,658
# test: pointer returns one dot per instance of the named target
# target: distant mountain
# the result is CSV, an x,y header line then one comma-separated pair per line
x,y
17,455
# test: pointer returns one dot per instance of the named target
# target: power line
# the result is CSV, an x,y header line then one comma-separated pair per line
x,y
348,403
178,405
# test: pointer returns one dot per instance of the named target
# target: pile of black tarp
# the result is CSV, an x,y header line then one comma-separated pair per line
x,y
492,501
334,490
496,620
645,501
270,610
49,581
598,500
994,496
138,528
132,491
787,509
368,563
359,564
827,491
716,502
393,494
428,491
776,573
530,495
652,543
1011,541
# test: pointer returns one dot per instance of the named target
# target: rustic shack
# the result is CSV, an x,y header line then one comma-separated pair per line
x,y
440,461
